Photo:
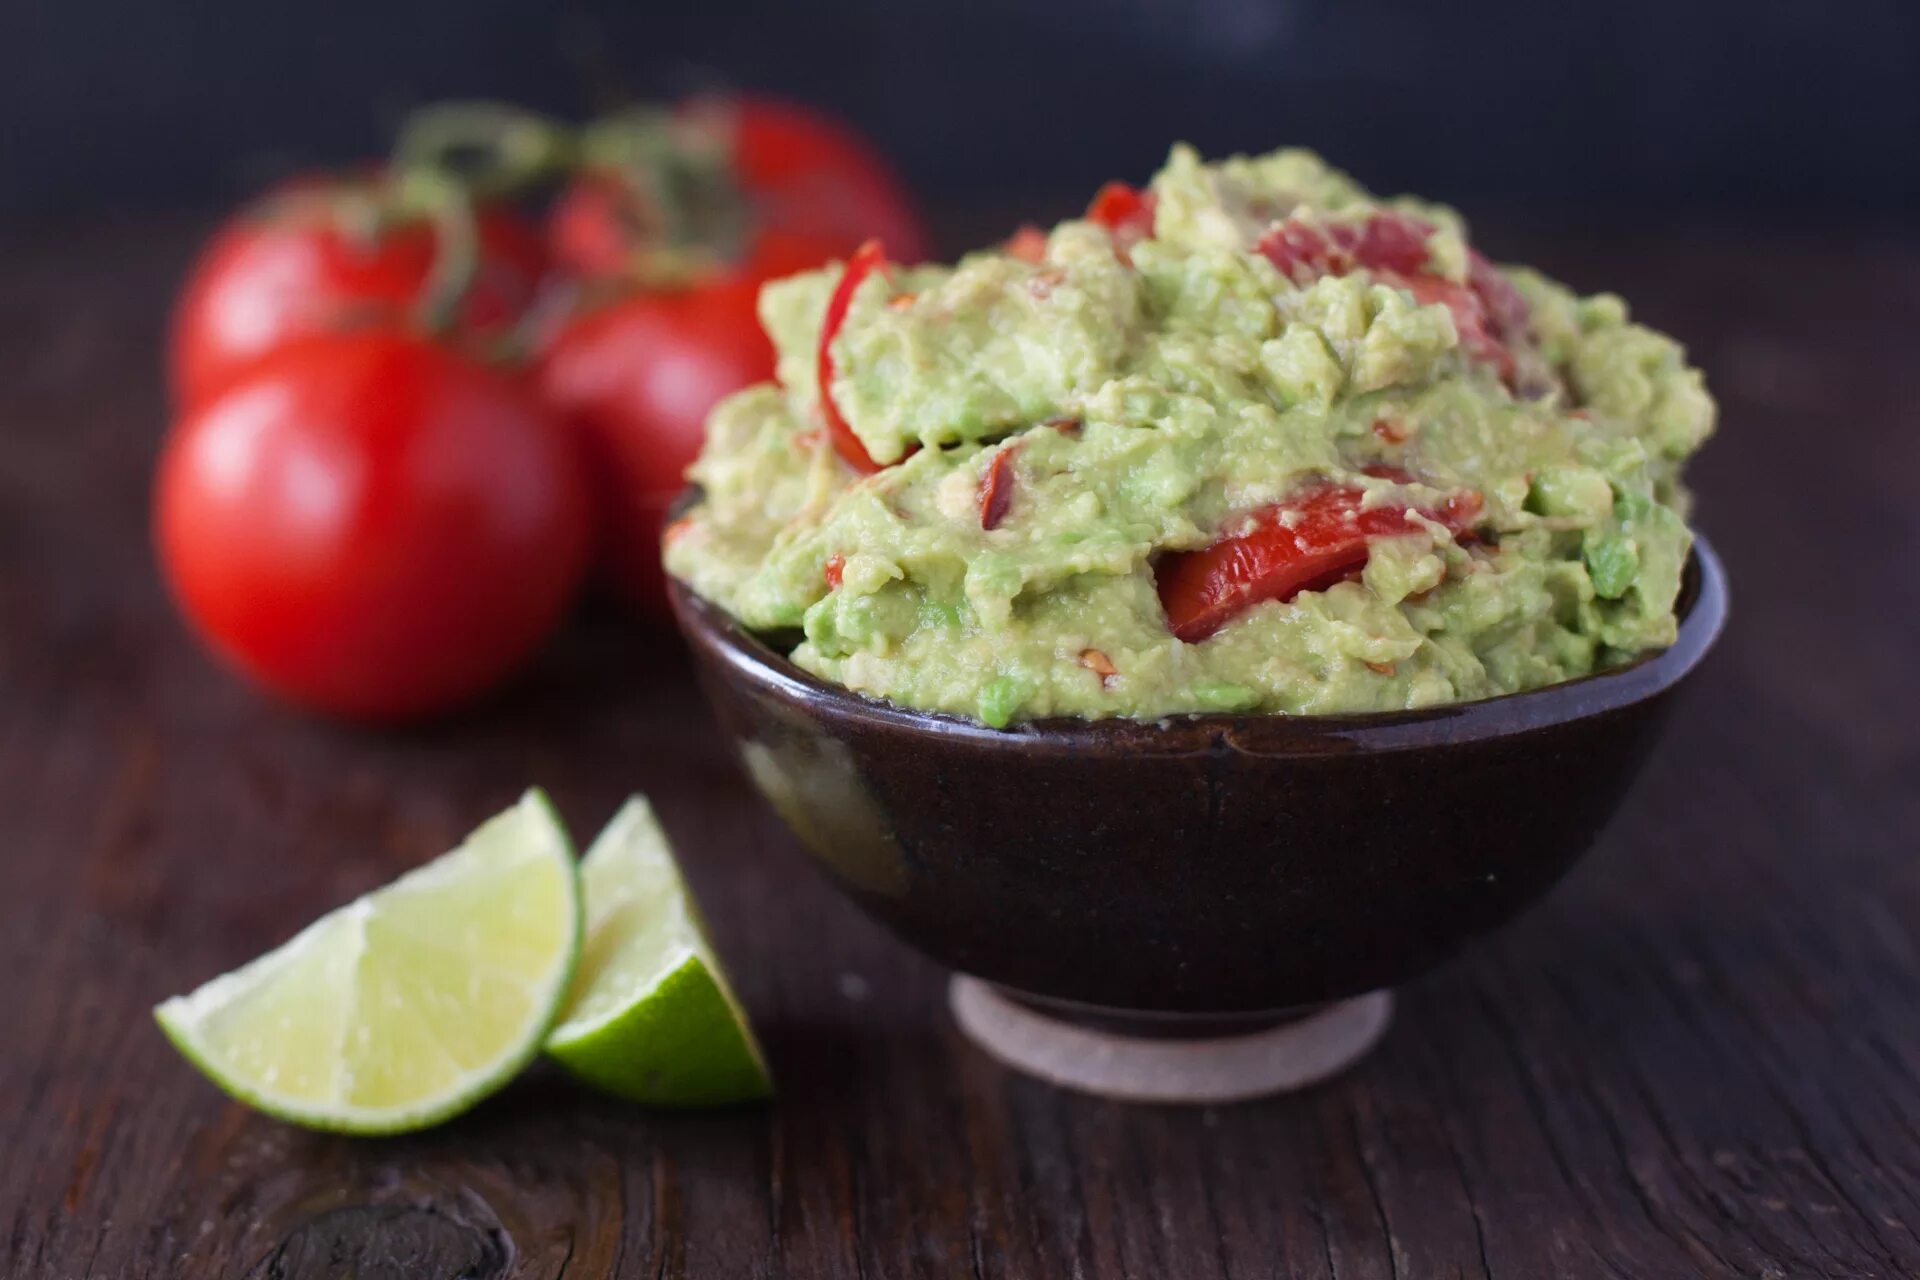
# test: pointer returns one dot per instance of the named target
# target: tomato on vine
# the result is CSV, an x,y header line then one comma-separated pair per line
x,y
636,378
322,254
748,187
370,524
364,505
675,218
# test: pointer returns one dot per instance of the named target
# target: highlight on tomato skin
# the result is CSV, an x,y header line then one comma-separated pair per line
x,y
1308,543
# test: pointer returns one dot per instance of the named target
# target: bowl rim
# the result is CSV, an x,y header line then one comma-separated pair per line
x,y
1702,608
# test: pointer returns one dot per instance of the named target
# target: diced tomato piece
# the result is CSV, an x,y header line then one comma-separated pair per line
x,y
867,259
1306,544
1126,212
996,488
1390,242
1302,251
1487,310
1029,244
1305,249
1504,304
1100,664
835,566
1470,319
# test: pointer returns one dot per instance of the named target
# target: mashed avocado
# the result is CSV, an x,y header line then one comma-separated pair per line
x,y
1058,428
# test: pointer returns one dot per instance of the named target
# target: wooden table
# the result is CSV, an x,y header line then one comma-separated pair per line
x,y
1700,1057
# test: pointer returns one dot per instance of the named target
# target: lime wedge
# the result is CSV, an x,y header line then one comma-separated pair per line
x,y
409,1005
651,1017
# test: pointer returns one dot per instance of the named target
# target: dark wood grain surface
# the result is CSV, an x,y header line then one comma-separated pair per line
x,y
1699,1057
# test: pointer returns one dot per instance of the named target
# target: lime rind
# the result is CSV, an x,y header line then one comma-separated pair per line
x,y
699,1050
652,1018
336,947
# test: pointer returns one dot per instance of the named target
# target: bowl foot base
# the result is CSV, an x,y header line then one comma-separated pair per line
x,y
1230,1068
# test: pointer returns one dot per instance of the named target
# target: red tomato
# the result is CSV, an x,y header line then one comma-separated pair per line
x,y
591,227
290,266
808,174
1306,544
370,525
815,191
594,226
637,378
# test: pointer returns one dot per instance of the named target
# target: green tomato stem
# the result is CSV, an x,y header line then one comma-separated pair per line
x,y
492,148
685,210
448,205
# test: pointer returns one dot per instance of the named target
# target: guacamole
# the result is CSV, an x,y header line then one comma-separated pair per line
x,y
1250,440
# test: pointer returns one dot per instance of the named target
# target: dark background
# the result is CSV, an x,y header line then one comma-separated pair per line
x,y
1773,112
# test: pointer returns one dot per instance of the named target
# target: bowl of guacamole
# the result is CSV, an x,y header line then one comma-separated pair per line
x,y
1228,601
1249,439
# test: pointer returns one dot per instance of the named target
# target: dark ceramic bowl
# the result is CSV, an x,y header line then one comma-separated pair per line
x,y
1216,865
